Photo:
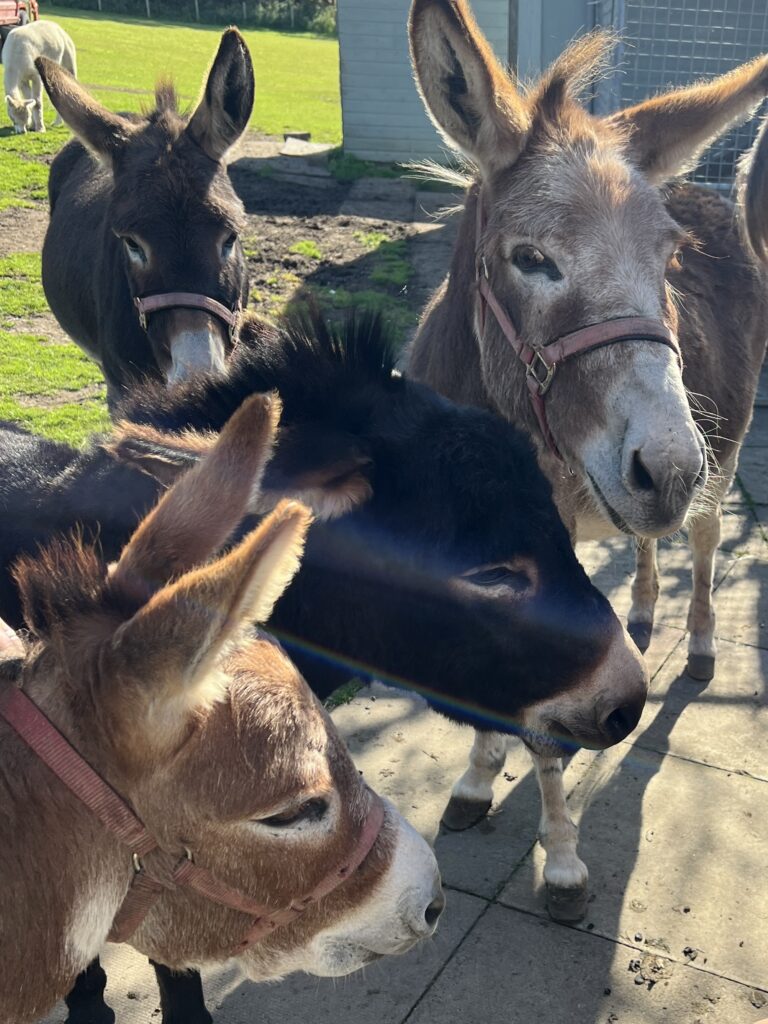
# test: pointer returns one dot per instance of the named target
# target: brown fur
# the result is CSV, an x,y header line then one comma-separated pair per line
x,y
595,163
201,730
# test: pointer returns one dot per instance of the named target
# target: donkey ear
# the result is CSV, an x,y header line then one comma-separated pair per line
x,y
194,519
171,644
468,95
162,455
668,134
103,132
222,115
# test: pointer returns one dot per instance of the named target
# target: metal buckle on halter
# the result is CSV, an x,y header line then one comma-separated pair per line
x,y
142,314
542,380
234,323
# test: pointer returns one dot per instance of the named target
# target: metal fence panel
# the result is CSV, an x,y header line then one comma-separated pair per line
x,y
668,43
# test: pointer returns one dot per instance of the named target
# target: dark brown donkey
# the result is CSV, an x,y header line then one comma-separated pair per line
x,y
166,776
570,310
142,262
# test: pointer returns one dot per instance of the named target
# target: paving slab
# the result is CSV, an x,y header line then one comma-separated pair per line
x,y
519,969
677,856
611,567
723,723
741,602
413,756
752,474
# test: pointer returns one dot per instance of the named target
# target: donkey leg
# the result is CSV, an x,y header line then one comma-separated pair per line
x,y
472,795
704,537
181,996
85,1002
645,590
565,875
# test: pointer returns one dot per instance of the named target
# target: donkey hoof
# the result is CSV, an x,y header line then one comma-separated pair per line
x,y
641,633
701,667
461,813
567,904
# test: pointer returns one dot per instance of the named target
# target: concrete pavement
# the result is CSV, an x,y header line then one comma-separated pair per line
x,y
674,829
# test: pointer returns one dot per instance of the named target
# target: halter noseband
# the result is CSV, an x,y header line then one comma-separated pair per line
x,y
188,300
542,361
154,869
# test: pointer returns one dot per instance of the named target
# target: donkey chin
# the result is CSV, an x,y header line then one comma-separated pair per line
x,y
594,714
402,909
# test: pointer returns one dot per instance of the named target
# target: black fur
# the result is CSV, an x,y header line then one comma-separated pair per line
x,y
452,489
158,184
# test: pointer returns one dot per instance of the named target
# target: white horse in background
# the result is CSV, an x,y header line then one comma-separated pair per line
x,y
23,85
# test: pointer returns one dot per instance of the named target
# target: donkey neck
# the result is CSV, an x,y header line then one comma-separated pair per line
x,y
444,354
62,868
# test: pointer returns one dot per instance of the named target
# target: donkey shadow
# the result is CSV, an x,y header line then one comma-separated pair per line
x,y
612,831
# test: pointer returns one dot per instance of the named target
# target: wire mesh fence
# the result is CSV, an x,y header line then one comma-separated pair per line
x,y
668,43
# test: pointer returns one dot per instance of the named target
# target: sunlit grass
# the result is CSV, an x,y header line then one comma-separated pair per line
x,y
297,75
21,289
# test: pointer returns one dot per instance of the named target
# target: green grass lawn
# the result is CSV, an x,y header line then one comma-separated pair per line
x,y
54,388
297,75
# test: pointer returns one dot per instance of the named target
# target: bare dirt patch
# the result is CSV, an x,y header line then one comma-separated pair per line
x,y
22,229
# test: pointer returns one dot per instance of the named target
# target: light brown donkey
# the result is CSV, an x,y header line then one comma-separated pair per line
x,y
624,327
221,814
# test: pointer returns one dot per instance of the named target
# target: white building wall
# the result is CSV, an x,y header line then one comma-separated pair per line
x,y
382,113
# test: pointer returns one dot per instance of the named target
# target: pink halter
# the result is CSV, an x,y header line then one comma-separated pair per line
x,y
542,362
187,300
156,869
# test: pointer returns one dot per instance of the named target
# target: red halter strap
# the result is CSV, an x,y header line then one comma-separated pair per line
x,y
187,300
156,869
541,362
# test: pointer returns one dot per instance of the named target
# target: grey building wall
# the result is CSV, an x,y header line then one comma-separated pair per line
x,y
383,116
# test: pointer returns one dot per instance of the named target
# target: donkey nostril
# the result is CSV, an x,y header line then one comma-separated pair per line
x,y
641,478
434,910
621,722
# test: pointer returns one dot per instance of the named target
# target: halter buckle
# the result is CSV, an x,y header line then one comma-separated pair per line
x,y
541,371
142,315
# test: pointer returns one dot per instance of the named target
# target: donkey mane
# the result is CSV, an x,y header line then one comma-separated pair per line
x,y
579,66
65,579
166,99
304,357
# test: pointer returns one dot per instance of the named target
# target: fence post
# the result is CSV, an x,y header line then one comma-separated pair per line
x,y
149,10
245,13
98,3
197,10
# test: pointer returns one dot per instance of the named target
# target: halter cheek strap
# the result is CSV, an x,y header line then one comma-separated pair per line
x,y
154,869
188,300
541,362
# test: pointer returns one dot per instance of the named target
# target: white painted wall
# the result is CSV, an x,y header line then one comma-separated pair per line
x,y
382,113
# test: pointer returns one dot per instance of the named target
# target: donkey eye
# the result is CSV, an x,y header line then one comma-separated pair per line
x,y
517,580
134,250
530,260
676,260
310,810
228,246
